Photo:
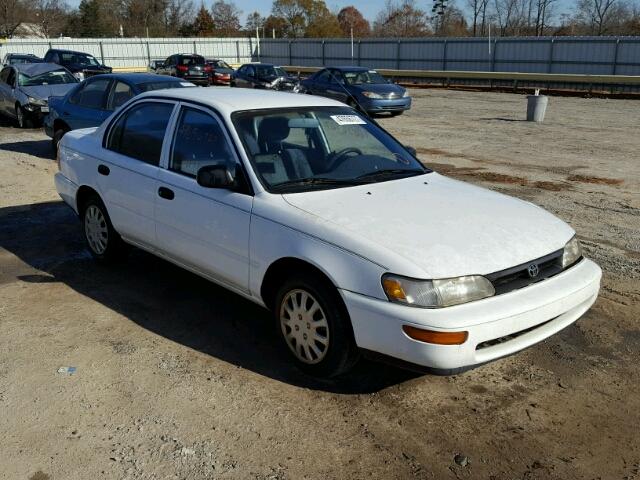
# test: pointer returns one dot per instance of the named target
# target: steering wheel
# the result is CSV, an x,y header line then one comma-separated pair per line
x,y
337,158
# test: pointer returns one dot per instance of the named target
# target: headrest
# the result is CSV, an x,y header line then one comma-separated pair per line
x,y
273,129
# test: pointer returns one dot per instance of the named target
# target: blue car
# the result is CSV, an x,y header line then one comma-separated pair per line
x,y
359,87
93,100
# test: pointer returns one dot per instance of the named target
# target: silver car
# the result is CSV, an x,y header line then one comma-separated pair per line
x,y
25,90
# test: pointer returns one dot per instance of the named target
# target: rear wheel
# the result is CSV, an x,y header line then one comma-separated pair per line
x,y
105,244
57,136
314,326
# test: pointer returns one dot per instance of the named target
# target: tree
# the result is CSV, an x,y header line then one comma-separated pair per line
x,y
96,18
52,16
12,14
226,19
478,10
401,18
600,16
203,23
351,18
309,18
451,23
254,22
274,24
178,16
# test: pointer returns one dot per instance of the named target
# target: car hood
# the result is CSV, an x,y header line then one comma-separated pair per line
x,y
381,88
76,67
445,227
46,91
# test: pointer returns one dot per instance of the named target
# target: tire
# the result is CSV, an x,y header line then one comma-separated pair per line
x,y
22,118
57,136
332,350
396,114
103,242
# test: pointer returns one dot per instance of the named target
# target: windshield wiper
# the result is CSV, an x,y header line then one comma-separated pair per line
x,y
302,182
390,172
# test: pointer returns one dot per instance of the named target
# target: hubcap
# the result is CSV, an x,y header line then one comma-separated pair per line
x,y
304,326
95,228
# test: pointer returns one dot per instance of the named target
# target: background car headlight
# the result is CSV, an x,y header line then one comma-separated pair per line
x,y
405,94
372,95
436,293
37,101
79,76
572,252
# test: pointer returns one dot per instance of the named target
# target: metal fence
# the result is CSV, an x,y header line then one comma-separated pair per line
x,y
565,55
578,55
138,52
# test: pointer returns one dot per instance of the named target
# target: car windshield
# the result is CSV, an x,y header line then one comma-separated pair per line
x,y
149,86
192,61
82,59
55,77
220,64
300,149
359,77
21,60
264,71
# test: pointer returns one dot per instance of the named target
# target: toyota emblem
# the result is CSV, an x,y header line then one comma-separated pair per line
x,y
533,270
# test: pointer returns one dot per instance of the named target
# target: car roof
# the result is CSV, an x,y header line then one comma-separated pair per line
x,y
32,69
229,100
138,78
18,55
350,68
62,50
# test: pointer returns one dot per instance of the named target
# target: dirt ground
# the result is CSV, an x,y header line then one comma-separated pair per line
x,y
179,379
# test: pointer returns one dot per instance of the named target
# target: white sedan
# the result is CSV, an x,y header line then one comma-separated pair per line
x,y
308,208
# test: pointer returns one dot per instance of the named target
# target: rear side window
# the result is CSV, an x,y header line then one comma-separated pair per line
x,y
92,94
139,133
120,95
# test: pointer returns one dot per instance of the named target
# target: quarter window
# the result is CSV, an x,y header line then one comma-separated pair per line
x,y
139,133
199,142
92,94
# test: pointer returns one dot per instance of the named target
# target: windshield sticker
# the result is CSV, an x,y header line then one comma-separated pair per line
x,y
348,120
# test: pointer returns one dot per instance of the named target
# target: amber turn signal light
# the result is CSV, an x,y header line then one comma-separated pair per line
x,y
439,338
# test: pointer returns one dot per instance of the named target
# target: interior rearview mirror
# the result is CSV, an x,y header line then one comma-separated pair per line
x,y
215,176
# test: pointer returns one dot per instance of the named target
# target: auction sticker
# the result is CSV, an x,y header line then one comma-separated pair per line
x,y
348,120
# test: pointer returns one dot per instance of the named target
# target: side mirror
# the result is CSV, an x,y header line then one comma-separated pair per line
x,y
215,176
411,150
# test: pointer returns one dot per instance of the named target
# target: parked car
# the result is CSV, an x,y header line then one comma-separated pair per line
x,y
96,98
187,66
155,64
82,65
220,73
305,206
26,87
262,75
360,88
15,58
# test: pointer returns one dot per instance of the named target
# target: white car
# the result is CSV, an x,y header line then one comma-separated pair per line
x,y
308,208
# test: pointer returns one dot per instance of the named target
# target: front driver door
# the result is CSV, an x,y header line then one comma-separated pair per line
x,y
205,229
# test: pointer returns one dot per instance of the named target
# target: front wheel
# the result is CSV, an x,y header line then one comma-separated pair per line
x,y
22,118
105,244
314,325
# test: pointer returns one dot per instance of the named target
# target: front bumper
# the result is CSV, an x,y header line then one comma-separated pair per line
x,y
519,319
386,105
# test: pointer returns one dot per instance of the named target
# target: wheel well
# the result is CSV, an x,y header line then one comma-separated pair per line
x,y
278,271
84,193
60,124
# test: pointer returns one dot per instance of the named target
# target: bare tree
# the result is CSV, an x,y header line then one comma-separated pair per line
x,y
12,14
401,18
478,10
226,18
600,15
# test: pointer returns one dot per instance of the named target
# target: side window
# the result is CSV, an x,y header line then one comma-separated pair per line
x,y
323,76
139,133
11,78
92,94
251,72
120,94
199,141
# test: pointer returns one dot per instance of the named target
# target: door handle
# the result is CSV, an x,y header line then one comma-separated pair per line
x,y
103,170
166,193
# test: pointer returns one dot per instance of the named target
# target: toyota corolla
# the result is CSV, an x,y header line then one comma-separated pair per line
x,y
312,210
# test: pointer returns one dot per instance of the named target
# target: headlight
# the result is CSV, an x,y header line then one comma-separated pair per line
x,y
572,252
79,76
37,101
405,94
436,293
372,95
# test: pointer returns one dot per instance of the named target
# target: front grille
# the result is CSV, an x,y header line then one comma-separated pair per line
x,y
518,277
511,336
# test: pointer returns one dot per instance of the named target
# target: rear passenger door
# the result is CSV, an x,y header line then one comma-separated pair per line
x,y
128,168
87,106
205,229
